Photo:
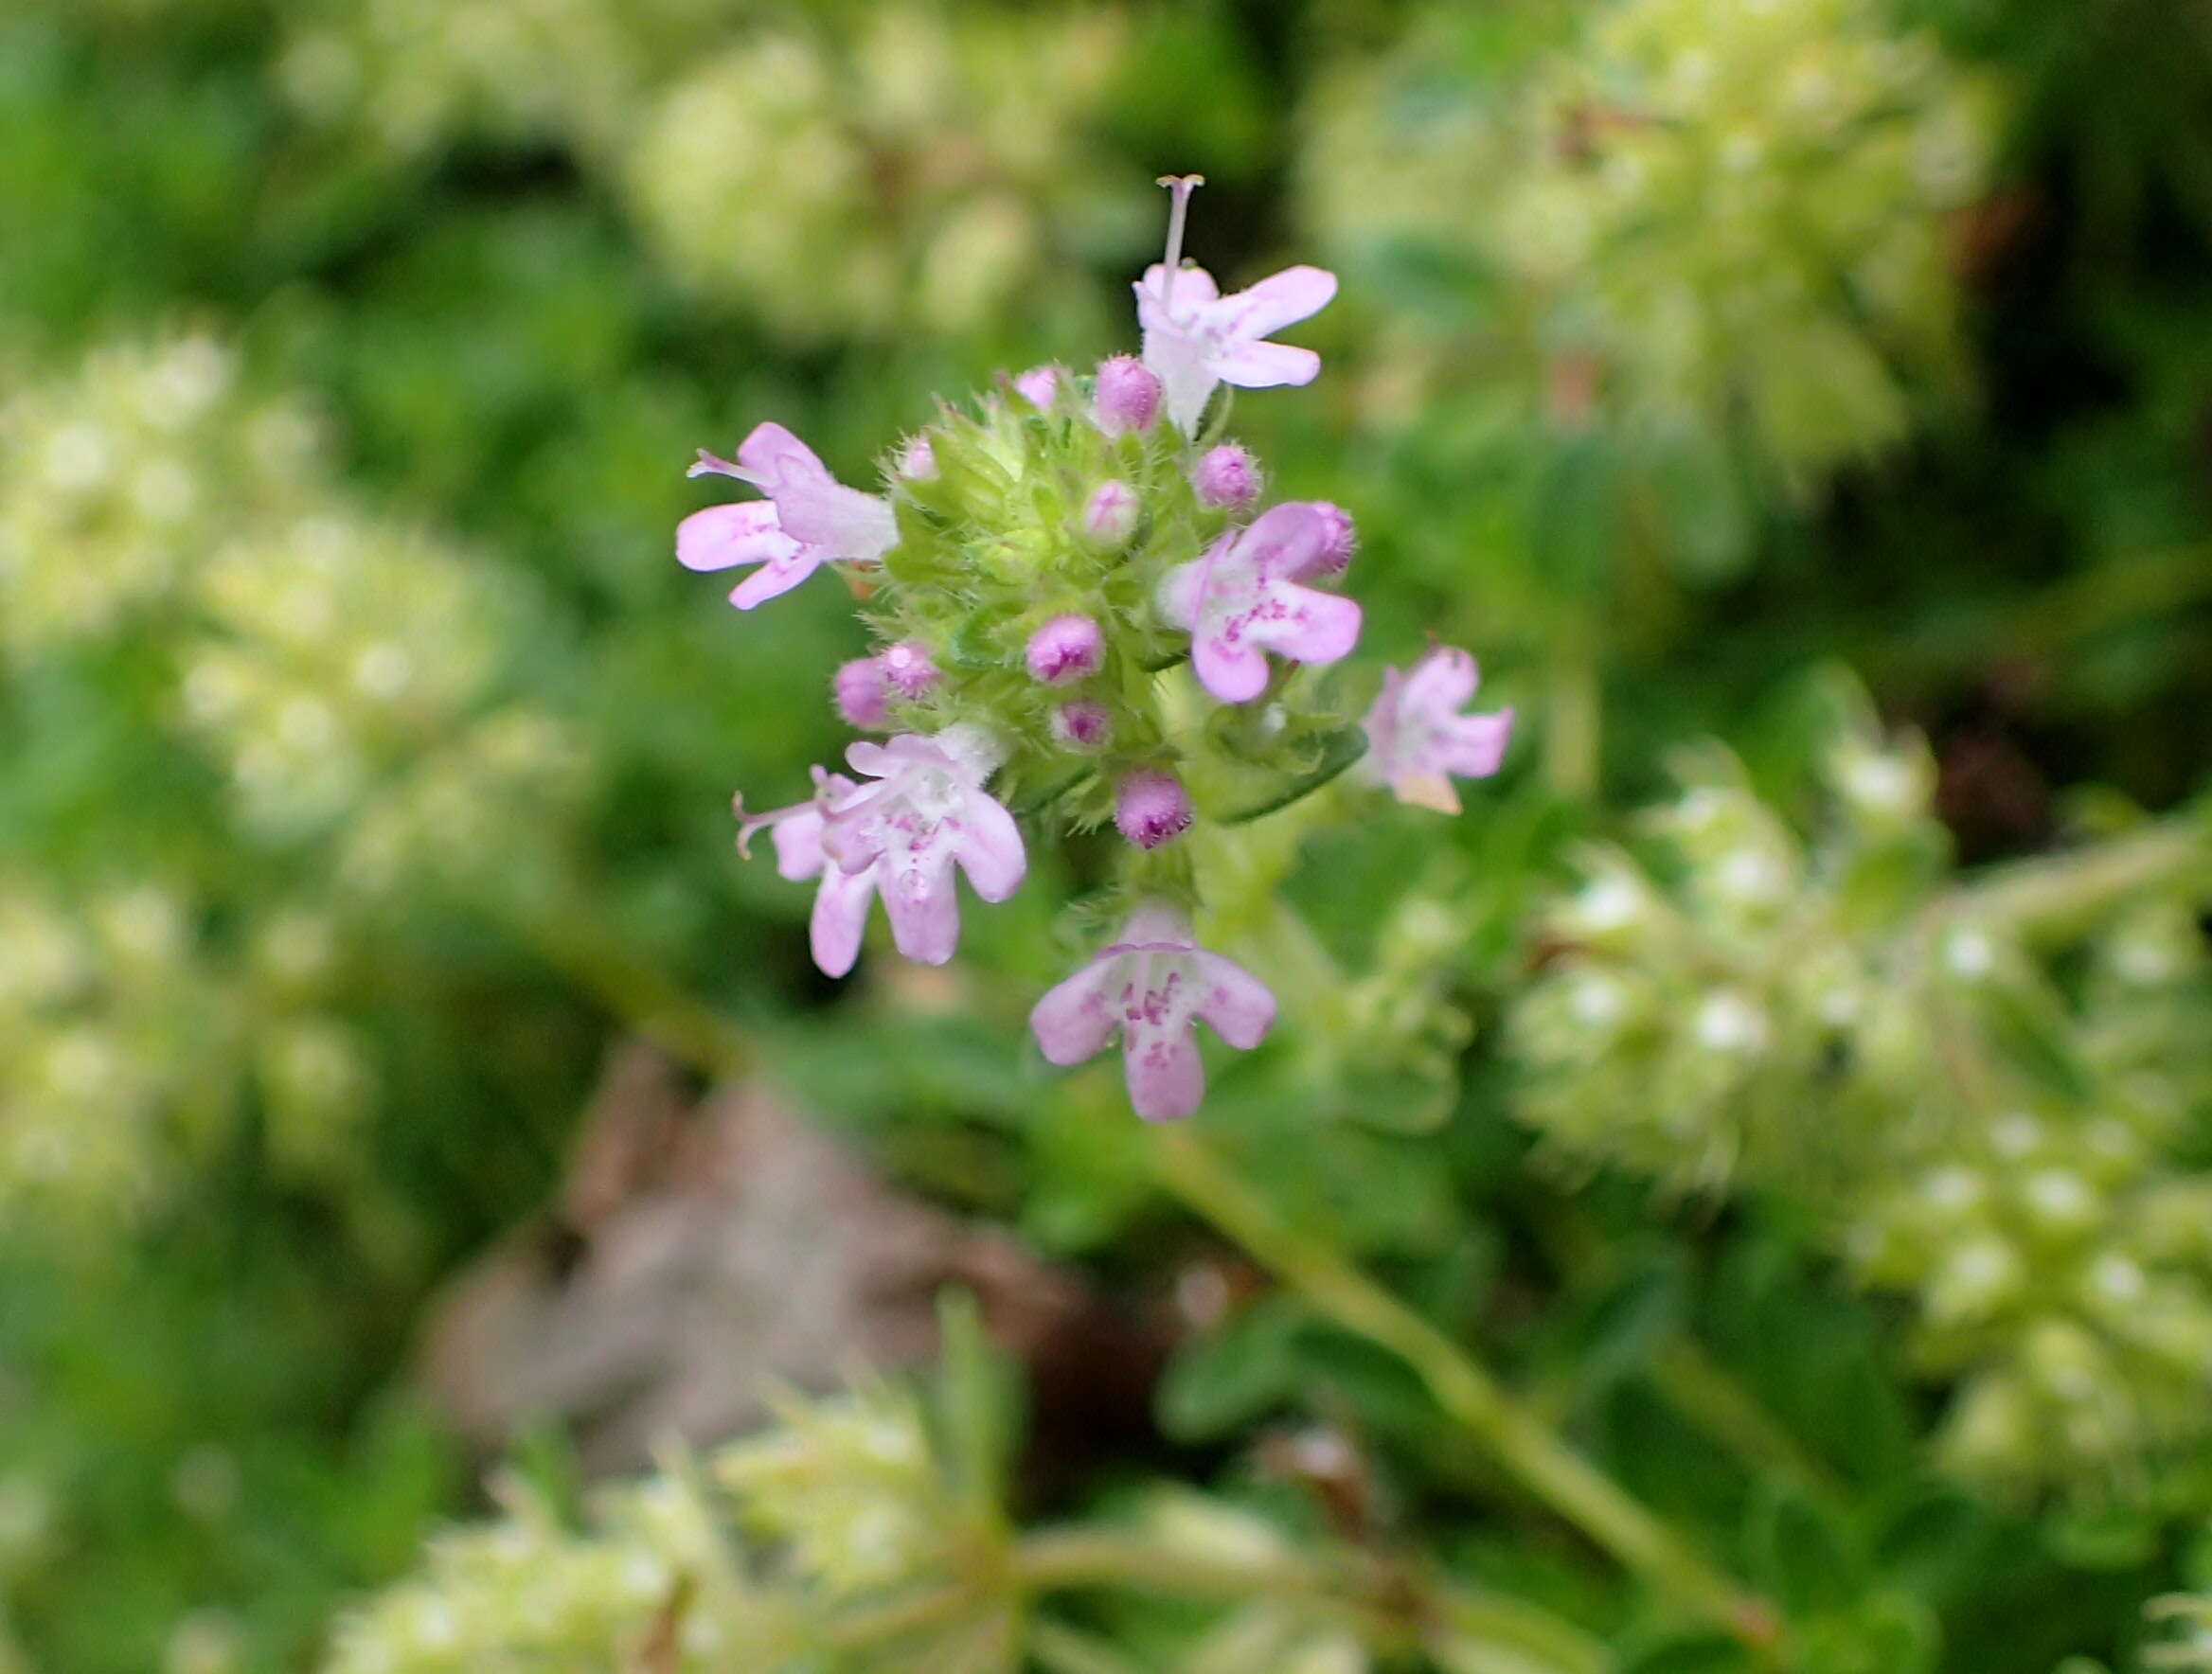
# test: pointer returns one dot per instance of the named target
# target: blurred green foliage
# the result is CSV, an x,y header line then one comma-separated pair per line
x,y
366,764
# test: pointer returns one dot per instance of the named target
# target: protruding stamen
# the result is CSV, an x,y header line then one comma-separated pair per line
x,y
1180,187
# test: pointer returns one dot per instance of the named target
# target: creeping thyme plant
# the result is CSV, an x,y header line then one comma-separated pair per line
x,y
1084,611
1421,1214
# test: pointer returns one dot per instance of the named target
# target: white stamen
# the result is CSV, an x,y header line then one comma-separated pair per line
x,y
1181,185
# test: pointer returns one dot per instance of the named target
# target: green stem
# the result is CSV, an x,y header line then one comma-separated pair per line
x,y
1528,1449
1573,718
2066,892
1716,1403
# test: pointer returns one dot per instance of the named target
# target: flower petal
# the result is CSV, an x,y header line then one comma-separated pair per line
x,y
1278,300
1289,539
988,849
1304,625
1237,1003
721,536
1235,674
1263,366
1474,747
917,887
1166,1077
1441,682
798,845
1182,593
1076,1018
777,575
773,458
841,915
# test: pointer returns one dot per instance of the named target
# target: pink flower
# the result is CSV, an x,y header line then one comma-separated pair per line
x,y
1125,397
1242,598
901,837
1196,338
1417,738
809,519
1066,650
1153,986
1152,808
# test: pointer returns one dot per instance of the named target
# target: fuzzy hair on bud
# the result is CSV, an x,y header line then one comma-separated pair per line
x,y
1227,477
862,691
1127,395
1066,650
1150,807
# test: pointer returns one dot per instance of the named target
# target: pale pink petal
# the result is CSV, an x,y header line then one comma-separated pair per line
x,y
1441,682
841,915
1304,626
798,845
1183,593
777,575
1289,539
924,911
1194,290
845,522
726,535
1076,1018
1474,745
1167,1079
988,847
876,760
773,458
1237,1003
1263,366
1234,673
1278,300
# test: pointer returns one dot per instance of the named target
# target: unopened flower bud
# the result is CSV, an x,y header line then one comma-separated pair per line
x,y
908,669
1083,724
1152,808
861,692
1110,515
1039,385
919,462
1226,476
1127,395
1066,650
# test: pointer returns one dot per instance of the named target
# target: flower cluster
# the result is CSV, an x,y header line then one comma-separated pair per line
x,y
1082,611
1732,217
2017,1154
832,172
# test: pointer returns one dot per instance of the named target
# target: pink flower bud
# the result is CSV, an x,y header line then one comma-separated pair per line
x,y
908,669
862,693
1226,476
1039,385
1110,515
919,463
1152,808
1081,724
1066,650
1127,395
